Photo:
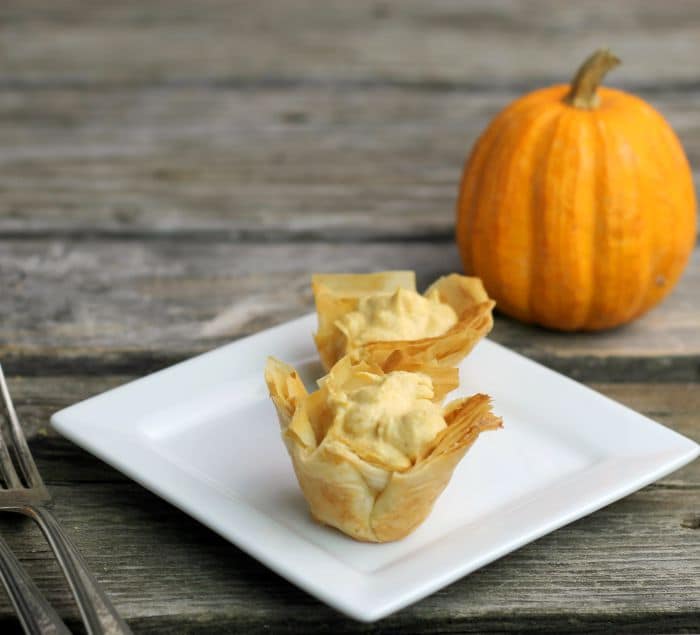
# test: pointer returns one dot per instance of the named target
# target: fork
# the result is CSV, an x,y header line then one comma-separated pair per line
x,y
26,494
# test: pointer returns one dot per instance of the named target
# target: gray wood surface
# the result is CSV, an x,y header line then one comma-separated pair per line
x,y
170,175
633,565
264,164
117,305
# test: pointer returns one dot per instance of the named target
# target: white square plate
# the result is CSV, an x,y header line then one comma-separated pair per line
x,y
204,436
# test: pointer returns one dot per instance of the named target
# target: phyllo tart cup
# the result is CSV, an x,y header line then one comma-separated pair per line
x,y
373,449
370,316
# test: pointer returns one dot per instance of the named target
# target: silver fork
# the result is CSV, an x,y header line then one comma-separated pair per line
x,y
28,495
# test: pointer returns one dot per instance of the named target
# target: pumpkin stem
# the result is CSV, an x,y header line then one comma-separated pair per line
x,y
582,93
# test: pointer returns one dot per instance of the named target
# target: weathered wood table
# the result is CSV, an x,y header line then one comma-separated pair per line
x,y
170,174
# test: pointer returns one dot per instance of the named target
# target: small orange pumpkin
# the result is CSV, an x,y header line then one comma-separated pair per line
x,y
577,206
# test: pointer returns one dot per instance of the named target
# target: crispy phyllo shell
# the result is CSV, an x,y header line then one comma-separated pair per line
x,y
373,316
370,459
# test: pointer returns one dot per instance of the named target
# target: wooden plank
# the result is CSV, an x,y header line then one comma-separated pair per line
x,y
37,397
212,164
631,562
630,567
121,306
676,405
476,42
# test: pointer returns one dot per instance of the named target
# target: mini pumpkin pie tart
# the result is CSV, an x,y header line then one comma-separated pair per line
x,y
373,449
371,316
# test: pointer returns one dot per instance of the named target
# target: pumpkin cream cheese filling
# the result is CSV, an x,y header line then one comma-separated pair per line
x,y
402,315
387,420
373,316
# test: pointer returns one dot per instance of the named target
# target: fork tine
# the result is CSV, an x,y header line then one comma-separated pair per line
x,y
24,456
9,474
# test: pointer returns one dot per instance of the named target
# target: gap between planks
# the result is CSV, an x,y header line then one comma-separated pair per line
x,y
509,89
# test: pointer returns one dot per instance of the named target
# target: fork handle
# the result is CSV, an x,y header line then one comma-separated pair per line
x,y
35,613
98,612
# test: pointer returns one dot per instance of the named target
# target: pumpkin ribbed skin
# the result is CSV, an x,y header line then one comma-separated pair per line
x,y
577,219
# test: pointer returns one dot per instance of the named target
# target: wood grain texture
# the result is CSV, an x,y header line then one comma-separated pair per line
x,y
674,404
166,572
484,42
113,306
163,569
266,165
